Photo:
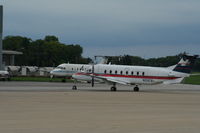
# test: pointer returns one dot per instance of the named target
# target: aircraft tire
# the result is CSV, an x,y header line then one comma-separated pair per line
x,y
113,88
136,89
74,87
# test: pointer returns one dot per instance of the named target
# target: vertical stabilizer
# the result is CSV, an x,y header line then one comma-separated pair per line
x,y
185,64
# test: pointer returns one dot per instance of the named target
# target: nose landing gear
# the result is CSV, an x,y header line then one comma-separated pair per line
x,y
113,88
74,87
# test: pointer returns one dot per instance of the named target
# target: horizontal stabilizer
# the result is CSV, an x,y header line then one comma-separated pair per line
x,y
175,81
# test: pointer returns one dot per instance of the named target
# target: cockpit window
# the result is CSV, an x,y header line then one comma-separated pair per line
x,y
59,67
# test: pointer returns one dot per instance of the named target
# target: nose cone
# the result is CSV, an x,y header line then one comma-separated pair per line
x,y
61,73
57,72
53,72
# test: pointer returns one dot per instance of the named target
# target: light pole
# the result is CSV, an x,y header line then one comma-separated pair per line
x,y
1,34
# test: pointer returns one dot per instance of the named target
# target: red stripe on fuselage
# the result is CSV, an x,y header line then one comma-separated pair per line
x,y
187,68
129,76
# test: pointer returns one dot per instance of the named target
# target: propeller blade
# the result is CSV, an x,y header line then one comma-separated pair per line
x,y
92,81
92,75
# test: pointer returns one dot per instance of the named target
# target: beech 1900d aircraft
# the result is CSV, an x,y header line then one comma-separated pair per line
x,y
138,75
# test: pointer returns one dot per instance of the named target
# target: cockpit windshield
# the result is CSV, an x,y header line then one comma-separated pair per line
x,y
60,67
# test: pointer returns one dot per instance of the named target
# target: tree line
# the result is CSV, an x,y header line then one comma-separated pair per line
x,y
44,52
51,52
156,62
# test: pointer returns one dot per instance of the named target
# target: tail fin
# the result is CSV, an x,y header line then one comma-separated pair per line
x,y
185,64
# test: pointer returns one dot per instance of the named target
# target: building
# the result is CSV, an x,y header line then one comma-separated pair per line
x,y
9,57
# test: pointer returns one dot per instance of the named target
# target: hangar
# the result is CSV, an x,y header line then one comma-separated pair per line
x,y
9,57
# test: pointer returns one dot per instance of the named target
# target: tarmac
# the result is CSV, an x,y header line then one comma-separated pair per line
x,y
39,107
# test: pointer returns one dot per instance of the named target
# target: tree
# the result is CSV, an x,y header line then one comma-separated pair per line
x,y
47,52
17,43
51,38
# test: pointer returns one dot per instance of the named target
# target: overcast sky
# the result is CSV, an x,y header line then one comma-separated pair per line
x,y
147,28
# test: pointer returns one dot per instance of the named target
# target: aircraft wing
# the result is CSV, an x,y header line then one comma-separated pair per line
x,y
113,80
195,74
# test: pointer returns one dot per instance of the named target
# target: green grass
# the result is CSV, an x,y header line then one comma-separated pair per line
x,y
39,79
193,79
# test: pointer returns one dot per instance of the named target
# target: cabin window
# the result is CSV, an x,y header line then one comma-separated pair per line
x,y
126,72
132,73
72,69
77,69
121,72
138,73
142,73
105,71
116,72
90,70
110,71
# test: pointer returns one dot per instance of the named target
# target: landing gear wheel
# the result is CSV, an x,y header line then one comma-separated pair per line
x,y
74,87
136,89
113,88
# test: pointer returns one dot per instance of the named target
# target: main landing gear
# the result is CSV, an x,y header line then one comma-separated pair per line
x,y
74,87
136,88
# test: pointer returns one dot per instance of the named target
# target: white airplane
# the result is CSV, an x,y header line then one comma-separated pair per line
x,y
4,75
138,75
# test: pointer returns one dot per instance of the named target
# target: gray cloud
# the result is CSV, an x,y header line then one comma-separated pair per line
x,y
107,23
144,51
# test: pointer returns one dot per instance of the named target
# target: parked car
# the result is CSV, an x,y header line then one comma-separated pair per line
x,y
4,75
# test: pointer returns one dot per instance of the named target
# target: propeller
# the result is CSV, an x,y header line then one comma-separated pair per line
x,y
92,82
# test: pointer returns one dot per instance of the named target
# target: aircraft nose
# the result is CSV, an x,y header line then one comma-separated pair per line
x,y
52,72
58,72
